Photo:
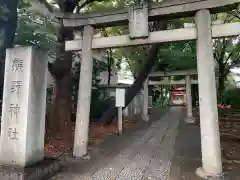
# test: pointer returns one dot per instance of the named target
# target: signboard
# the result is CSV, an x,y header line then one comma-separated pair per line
x,y
138,22
120,97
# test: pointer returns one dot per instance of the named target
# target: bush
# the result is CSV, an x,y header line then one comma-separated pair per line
x,y
232,97
100,102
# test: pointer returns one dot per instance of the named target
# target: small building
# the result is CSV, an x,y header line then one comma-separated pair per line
x,y
178,96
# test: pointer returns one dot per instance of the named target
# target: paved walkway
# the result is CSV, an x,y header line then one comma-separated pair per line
x,y
141,155
164,149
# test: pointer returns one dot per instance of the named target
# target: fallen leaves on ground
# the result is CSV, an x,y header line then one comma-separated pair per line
x,y
62,142
229,127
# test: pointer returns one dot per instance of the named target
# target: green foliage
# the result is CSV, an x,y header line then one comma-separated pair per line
x,y
8,22
2,37
161,102
177,56
35,29
4,11
231,97
99,101
230,82
108,5
98,67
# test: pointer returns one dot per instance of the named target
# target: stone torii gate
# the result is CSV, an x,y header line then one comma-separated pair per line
x,y
138,19
187,82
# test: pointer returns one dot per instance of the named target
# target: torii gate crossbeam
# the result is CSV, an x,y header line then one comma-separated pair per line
x,y
168,9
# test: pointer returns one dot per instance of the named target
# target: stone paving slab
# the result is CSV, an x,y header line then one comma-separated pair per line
x,y
159,167
187,156
139,165
146,154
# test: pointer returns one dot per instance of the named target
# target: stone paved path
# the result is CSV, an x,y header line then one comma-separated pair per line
x,y
147,155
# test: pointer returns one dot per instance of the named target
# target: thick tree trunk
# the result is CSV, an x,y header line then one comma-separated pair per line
x,y
156,95
194,94
60,115
8,26
161,95
221,82
109,68
221,87
137,85
60,112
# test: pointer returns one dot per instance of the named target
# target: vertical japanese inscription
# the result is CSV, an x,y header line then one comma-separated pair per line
x,y
14,110
17,65
15,89
138,17
138,20
16,86
13,134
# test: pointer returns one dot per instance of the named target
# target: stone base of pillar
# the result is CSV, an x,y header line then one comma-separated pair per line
x,y
72,158
204,175
190,120
41,170
81,150
145,118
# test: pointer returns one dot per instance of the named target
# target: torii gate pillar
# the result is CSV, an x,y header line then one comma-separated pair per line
x,y
210,140
190,118
84,95
145,115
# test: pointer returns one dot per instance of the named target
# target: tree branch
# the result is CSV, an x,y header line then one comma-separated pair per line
x,y
229,56
83,3
216,53
47,5
235,13
223,50
45,10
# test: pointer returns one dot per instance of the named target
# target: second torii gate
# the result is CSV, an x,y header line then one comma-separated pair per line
x,y
187,82
203,33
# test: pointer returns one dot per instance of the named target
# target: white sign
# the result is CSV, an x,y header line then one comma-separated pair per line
x,y
120,97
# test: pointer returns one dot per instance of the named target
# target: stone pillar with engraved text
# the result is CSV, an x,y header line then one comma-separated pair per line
x,y
23,110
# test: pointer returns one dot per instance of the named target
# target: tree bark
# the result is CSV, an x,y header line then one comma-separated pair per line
x,y
221,82
8,26
60,115
194,94
60,112
109,64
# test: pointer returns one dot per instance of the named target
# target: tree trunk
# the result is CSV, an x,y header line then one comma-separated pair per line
x,y
60,115
221,82
161,95
194,94
221,87
8,26
156,94
109,64
60,112
137,85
